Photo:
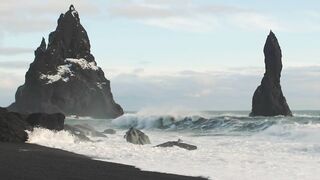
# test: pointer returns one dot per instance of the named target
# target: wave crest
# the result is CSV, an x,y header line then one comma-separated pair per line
x,y
217,122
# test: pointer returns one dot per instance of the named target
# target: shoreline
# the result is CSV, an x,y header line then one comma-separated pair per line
x,y
31,162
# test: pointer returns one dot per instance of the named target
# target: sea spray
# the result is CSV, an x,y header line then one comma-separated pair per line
x,y
230,145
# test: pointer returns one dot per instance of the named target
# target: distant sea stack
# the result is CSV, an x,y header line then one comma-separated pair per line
x,y
64,76
268,99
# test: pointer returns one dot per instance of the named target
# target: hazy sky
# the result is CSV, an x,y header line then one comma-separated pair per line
x,y
184,54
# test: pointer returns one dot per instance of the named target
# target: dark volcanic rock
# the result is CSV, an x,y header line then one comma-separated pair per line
x,y
178,143
3,110
64,77
268,99
135,136
13,126
48,121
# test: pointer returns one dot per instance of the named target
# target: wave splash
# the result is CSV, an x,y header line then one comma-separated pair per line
x,y
211,123
232,144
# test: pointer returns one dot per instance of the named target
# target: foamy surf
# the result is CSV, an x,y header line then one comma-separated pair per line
x,y
230,147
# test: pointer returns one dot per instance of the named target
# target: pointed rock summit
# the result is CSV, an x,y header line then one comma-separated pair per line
x,y
64,76
268,99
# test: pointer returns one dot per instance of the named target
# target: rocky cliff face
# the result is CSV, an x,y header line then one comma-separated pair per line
x,y
268,99
13,125
64,76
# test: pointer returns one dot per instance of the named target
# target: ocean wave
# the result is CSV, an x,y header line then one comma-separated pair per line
x,y
215,122
274,147
299,132
230,123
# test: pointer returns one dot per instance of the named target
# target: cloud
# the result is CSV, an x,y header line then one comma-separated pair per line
x,y
37,15
227,89
9,51
14,65
190,16
10,80
248,20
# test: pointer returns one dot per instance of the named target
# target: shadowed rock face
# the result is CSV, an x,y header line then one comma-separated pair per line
x,y
64,76
268,99
13,125
48,121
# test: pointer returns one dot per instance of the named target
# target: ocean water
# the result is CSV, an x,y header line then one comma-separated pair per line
x,y
231,145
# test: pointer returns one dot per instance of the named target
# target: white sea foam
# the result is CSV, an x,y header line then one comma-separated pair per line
x,y
283,151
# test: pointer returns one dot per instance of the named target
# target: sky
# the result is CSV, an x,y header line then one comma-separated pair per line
x,y
176,54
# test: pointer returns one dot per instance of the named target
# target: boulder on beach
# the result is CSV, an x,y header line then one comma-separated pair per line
x,y
179,144
13,126
136,136
48,121
268,99
64,76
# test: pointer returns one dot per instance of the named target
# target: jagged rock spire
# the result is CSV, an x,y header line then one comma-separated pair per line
x,y
42,48
268,99
43,44
273,55
64,76
71,8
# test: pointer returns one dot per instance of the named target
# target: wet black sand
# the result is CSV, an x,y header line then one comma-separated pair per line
x,y
34,162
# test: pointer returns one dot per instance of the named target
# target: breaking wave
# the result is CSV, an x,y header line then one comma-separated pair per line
x,y
215,123
232,144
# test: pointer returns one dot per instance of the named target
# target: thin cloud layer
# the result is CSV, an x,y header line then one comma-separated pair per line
x,y
12,65
37,15
213,90
190,16
186,15
10,51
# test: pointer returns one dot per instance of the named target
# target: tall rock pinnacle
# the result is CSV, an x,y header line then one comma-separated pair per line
x,y
64,76
268,99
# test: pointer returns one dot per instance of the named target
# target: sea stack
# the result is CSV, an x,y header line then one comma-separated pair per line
x,y
268,99
64,76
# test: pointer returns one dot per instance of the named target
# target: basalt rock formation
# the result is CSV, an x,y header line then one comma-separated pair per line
x,y
268,99
64,77
13,125
48,121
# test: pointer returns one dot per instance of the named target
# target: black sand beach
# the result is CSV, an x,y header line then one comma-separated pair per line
x,y
32,162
